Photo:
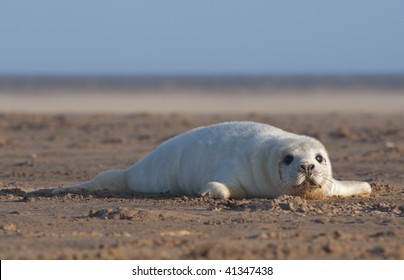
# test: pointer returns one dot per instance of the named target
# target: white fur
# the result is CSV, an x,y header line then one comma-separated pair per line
x,y
229,160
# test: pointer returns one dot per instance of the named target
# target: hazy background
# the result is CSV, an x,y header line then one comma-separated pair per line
x,y
306,45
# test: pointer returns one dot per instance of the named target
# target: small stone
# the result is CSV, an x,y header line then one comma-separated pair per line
x,y
262,236
3,141
27,199
291,206
9,228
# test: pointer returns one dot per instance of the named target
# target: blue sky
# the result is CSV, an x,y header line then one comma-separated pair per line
x,y
201,37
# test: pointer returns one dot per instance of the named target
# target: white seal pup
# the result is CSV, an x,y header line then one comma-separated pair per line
x,y
230,160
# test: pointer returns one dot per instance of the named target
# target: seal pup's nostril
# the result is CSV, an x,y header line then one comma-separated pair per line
x,y
307,167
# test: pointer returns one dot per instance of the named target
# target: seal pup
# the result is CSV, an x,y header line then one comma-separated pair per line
x,y
230,160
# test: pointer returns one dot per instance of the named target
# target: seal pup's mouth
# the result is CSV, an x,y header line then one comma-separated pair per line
x,y
308,190
308,183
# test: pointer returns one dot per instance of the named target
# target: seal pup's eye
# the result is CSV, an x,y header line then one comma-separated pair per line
x,y
319,158
288,159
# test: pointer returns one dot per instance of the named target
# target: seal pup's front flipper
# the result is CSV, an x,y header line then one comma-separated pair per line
x,y
218,190
349,188
111,180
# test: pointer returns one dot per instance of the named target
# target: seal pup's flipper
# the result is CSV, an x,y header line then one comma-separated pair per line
x,y
218,190
349,188
111,180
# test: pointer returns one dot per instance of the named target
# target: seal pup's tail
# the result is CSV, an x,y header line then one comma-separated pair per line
x,y
111,180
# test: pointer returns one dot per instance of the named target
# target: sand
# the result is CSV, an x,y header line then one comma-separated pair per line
x,y
40,150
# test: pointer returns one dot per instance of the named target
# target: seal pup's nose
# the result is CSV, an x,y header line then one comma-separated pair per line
x,y
307,168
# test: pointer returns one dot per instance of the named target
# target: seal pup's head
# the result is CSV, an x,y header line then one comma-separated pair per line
x,y
304,168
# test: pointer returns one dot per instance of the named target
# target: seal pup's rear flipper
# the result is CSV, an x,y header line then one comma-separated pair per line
x,y
112,180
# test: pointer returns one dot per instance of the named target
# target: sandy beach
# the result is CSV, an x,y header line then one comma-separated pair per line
x,y
46,143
